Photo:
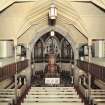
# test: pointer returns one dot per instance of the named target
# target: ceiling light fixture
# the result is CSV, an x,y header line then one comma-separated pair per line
x,y
52,11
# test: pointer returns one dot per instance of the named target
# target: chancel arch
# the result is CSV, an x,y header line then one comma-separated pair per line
x,y
58,29
52,55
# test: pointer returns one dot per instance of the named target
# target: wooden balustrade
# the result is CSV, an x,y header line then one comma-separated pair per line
x,y
9,70
22,65
82,65
96,70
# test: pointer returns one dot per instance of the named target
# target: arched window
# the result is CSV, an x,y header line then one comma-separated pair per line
x,y
66,50
51,45
38,51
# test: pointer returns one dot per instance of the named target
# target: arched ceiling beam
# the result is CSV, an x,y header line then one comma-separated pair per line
x,y
35,20
6,3
39,13
67,10
61,4
38,19
77,20
99,3
67,27
39,7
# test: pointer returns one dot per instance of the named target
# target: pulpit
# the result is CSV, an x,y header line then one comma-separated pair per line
x,y
52,75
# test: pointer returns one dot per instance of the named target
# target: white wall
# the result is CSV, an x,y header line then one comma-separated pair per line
x,y
99,48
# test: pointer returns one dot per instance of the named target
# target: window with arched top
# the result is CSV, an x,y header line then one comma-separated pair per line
x,y
51,46
66,50
38,51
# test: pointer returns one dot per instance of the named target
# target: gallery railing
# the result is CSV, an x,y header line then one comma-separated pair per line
x,y
10,70
95,70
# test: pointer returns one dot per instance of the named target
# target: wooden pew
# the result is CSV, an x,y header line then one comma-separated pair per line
x,y
50,88
60,103
100,103
99,100
47,96
53,89
97,90
43,90
94,93
97,93
51,97
98,96
10,85
7,93
12,91
32,93
4,103
7,90
7,100
7,96
52,100
56,92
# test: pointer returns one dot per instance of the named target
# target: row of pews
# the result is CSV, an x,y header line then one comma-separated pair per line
x,y
52,95
8,96
94,96
20,81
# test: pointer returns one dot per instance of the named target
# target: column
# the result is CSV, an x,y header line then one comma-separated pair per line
x,y
89,75
76,69
76,76
29,66
25,81
84,80
72,79
80,80
20,81
89,52
16,73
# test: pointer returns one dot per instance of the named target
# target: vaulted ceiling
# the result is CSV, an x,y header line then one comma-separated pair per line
x,y
22,19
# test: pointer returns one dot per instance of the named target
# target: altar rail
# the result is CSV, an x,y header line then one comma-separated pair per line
x,y
95,70
9,70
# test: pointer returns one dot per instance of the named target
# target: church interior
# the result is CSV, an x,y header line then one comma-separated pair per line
x,y
52,52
